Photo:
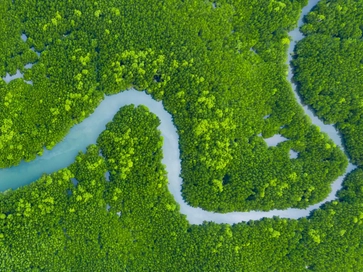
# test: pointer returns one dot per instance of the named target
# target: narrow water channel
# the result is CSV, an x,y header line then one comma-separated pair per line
x,y
86,133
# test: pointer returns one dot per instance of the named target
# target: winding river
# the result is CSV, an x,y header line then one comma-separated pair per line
x,y
87,132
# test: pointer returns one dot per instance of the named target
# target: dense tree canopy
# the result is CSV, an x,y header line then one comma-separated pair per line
x,y
219,69
77,220
328,68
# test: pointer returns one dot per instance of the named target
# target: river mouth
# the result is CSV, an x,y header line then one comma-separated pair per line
x,y
87,132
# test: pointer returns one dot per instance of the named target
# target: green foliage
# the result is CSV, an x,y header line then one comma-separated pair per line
x,y
53,225
219,68
218,71
328,68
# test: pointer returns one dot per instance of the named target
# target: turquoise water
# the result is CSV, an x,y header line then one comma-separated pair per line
x,y
80,136
86,133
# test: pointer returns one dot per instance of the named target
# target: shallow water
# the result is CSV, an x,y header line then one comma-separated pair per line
x,y
9,77
18,74
80,136
296,36
86,133
275,140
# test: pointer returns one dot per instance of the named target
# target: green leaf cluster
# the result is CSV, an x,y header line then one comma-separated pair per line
x,y
219,68
328,69
134,223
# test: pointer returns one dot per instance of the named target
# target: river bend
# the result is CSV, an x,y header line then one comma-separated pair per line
x,y
87,132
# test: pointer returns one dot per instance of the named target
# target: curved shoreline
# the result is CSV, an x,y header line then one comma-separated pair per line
x,y
86,133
